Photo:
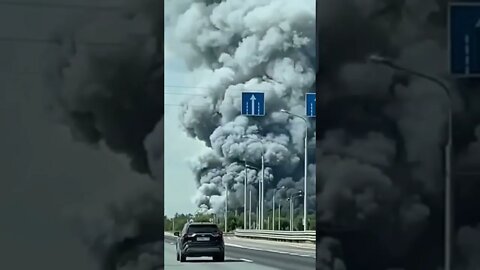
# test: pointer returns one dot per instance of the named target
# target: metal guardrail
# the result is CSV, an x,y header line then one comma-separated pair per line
x,y
294,236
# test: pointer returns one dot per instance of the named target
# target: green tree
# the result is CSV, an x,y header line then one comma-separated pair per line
x,y
311,222
284,223
298,224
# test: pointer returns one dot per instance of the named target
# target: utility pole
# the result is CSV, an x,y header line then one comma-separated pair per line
x,y
258,216
260,186
279,216
263,183
291,215
273,206
259,203
250,210
226,208
273,211
292,197
305,167
449,211
245,199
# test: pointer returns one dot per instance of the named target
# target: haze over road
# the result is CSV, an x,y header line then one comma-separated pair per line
x,y
240,254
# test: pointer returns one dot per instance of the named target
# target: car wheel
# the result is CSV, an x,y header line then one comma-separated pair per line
x,y
183,258
219,258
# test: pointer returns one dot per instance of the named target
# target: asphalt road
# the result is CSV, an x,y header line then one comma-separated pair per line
x,y
247,254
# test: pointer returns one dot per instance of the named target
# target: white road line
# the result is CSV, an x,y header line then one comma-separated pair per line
x,y
272,251
246,260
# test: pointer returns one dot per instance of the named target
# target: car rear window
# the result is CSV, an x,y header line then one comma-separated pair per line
x,y
203,228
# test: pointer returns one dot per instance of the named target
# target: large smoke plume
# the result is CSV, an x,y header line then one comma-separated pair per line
x,y
249,45
381,134
381,139
105,74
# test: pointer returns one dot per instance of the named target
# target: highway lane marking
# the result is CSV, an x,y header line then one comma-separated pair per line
x,y
272,251
246,260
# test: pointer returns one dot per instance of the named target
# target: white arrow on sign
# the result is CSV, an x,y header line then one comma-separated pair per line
x,y
253,104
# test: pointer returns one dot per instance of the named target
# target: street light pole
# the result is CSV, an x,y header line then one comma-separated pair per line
x,y
259,192
449,221
293,196
245,199
256,225
279,216
273,206
273,210
257,214
305,168
226,208
262,192
260,185
250,209
291,222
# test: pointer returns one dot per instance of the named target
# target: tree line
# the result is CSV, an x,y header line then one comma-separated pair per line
x,y
235,221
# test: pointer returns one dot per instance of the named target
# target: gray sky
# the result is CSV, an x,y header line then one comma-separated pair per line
x,y
43,171
179,180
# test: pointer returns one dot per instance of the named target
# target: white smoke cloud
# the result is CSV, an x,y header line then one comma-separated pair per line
x,y
249,45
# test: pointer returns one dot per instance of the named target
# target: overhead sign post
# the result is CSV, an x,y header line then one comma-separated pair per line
x,y
310,104
253,103
464,39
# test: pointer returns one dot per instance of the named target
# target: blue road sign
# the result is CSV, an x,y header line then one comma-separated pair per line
x,y
310,104
253,103
464,39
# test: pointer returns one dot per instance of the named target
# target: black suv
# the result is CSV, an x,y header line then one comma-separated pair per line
x,y
200,240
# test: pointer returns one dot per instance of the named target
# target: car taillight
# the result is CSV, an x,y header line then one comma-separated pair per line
x,y
217,235
187,236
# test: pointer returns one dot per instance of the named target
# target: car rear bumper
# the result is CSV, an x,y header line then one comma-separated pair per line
x,y
200,251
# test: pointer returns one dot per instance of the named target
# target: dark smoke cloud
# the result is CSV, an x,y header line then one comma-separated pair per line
x,y
105,77
381,136
381,133
124,232
243,46
109,91
328,250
